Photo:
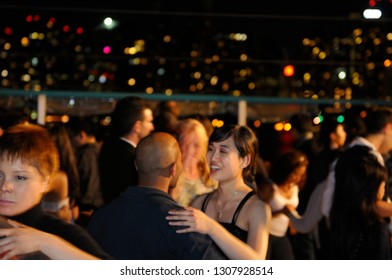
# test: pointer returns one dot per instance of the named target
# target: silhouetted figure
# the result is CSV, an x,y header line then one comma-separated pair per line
x,y
132,119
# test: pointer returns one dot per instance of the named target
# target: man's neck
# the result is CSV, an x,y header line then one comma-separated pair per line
x,y
376,141
159,185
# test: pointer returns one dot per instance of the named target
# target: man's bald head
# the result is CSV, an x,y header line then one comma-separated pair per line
x,y
156,153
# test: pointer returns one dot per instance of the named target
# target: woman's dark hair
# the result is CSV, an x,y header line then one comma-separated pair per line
x,y
285,164
358,176
246,143
68,162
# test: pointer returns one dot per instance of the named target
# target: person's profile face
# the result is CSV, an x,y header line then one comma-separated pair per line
x,y
388,139
147,124
341,135
193,146
381,191
174,108
21,187
298,174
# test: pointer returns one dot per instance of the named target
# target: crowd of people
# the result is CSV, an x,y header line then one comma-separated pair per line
x,y
163,185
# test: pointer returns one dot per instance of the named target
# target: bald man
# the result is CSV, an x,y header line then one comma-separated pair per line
x,y
134,226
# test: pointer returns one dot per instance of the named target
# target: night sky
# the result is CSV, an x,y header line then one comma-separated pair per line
x,y
275,31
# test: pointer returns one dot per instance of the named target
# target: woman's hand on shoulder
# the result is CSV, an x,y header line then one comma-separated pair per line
x,y
190,220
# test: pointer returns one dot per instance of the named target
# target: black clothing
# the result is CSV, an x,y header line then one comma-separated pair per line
x,y
76,235
116,167
134,227
232,227
314,244
371,244
87,159
318,170
279,248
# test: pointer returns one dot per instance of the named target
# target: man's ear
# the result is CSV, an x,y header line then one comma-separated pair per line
x,y
136,126
173,169
388,126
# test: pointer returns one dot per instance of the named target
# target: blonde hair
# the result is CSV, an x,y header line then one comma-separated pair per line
x,y
190,125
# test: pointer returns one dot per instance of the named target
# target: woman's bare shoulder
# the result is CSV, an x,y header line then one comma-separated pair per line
x,y
257,206
198,201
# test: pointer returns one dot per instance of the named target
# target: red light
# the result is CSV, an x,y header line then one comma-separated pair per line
x,y
79,30
288,70
66,28
8,31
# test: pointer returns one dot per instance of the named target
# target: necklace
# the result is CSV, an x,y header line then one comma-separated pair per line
x,y
220,209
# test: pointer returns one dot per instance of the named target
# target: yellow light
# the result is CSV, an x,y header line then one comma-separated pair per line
x,y
278,126
287,126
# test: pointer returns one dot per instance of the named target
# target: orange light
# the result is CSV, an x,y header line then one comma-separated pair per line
x,y
288,70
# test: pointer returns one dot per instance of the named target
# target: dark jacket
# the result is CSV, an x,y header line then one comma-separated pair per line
x,y
116,167
134,227
74,234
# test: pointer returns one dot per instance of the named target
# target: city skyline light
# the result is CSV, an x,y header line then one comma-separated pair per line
x,y
205,51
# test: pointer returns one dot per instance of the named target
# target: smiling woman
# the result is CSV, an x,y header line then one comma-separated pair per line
x,y
235,218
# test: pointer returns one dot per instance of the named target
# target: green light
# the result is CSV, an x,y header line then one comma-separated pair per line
x,y
340,119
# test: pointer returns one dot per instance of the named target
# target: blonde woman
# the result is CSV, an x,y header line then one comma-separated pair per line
x,y
195,177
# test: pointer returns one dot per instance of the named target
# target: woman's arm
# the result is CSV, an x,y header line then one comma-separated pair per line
x,y
20,239
384,208
309,220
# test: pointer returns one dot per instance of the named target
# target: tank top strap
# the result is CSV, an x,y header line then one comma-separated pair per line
x,y
205,201
239,207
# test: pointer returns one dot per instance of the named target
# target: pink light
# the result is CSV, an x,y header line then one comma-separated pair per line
x,y
107,50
